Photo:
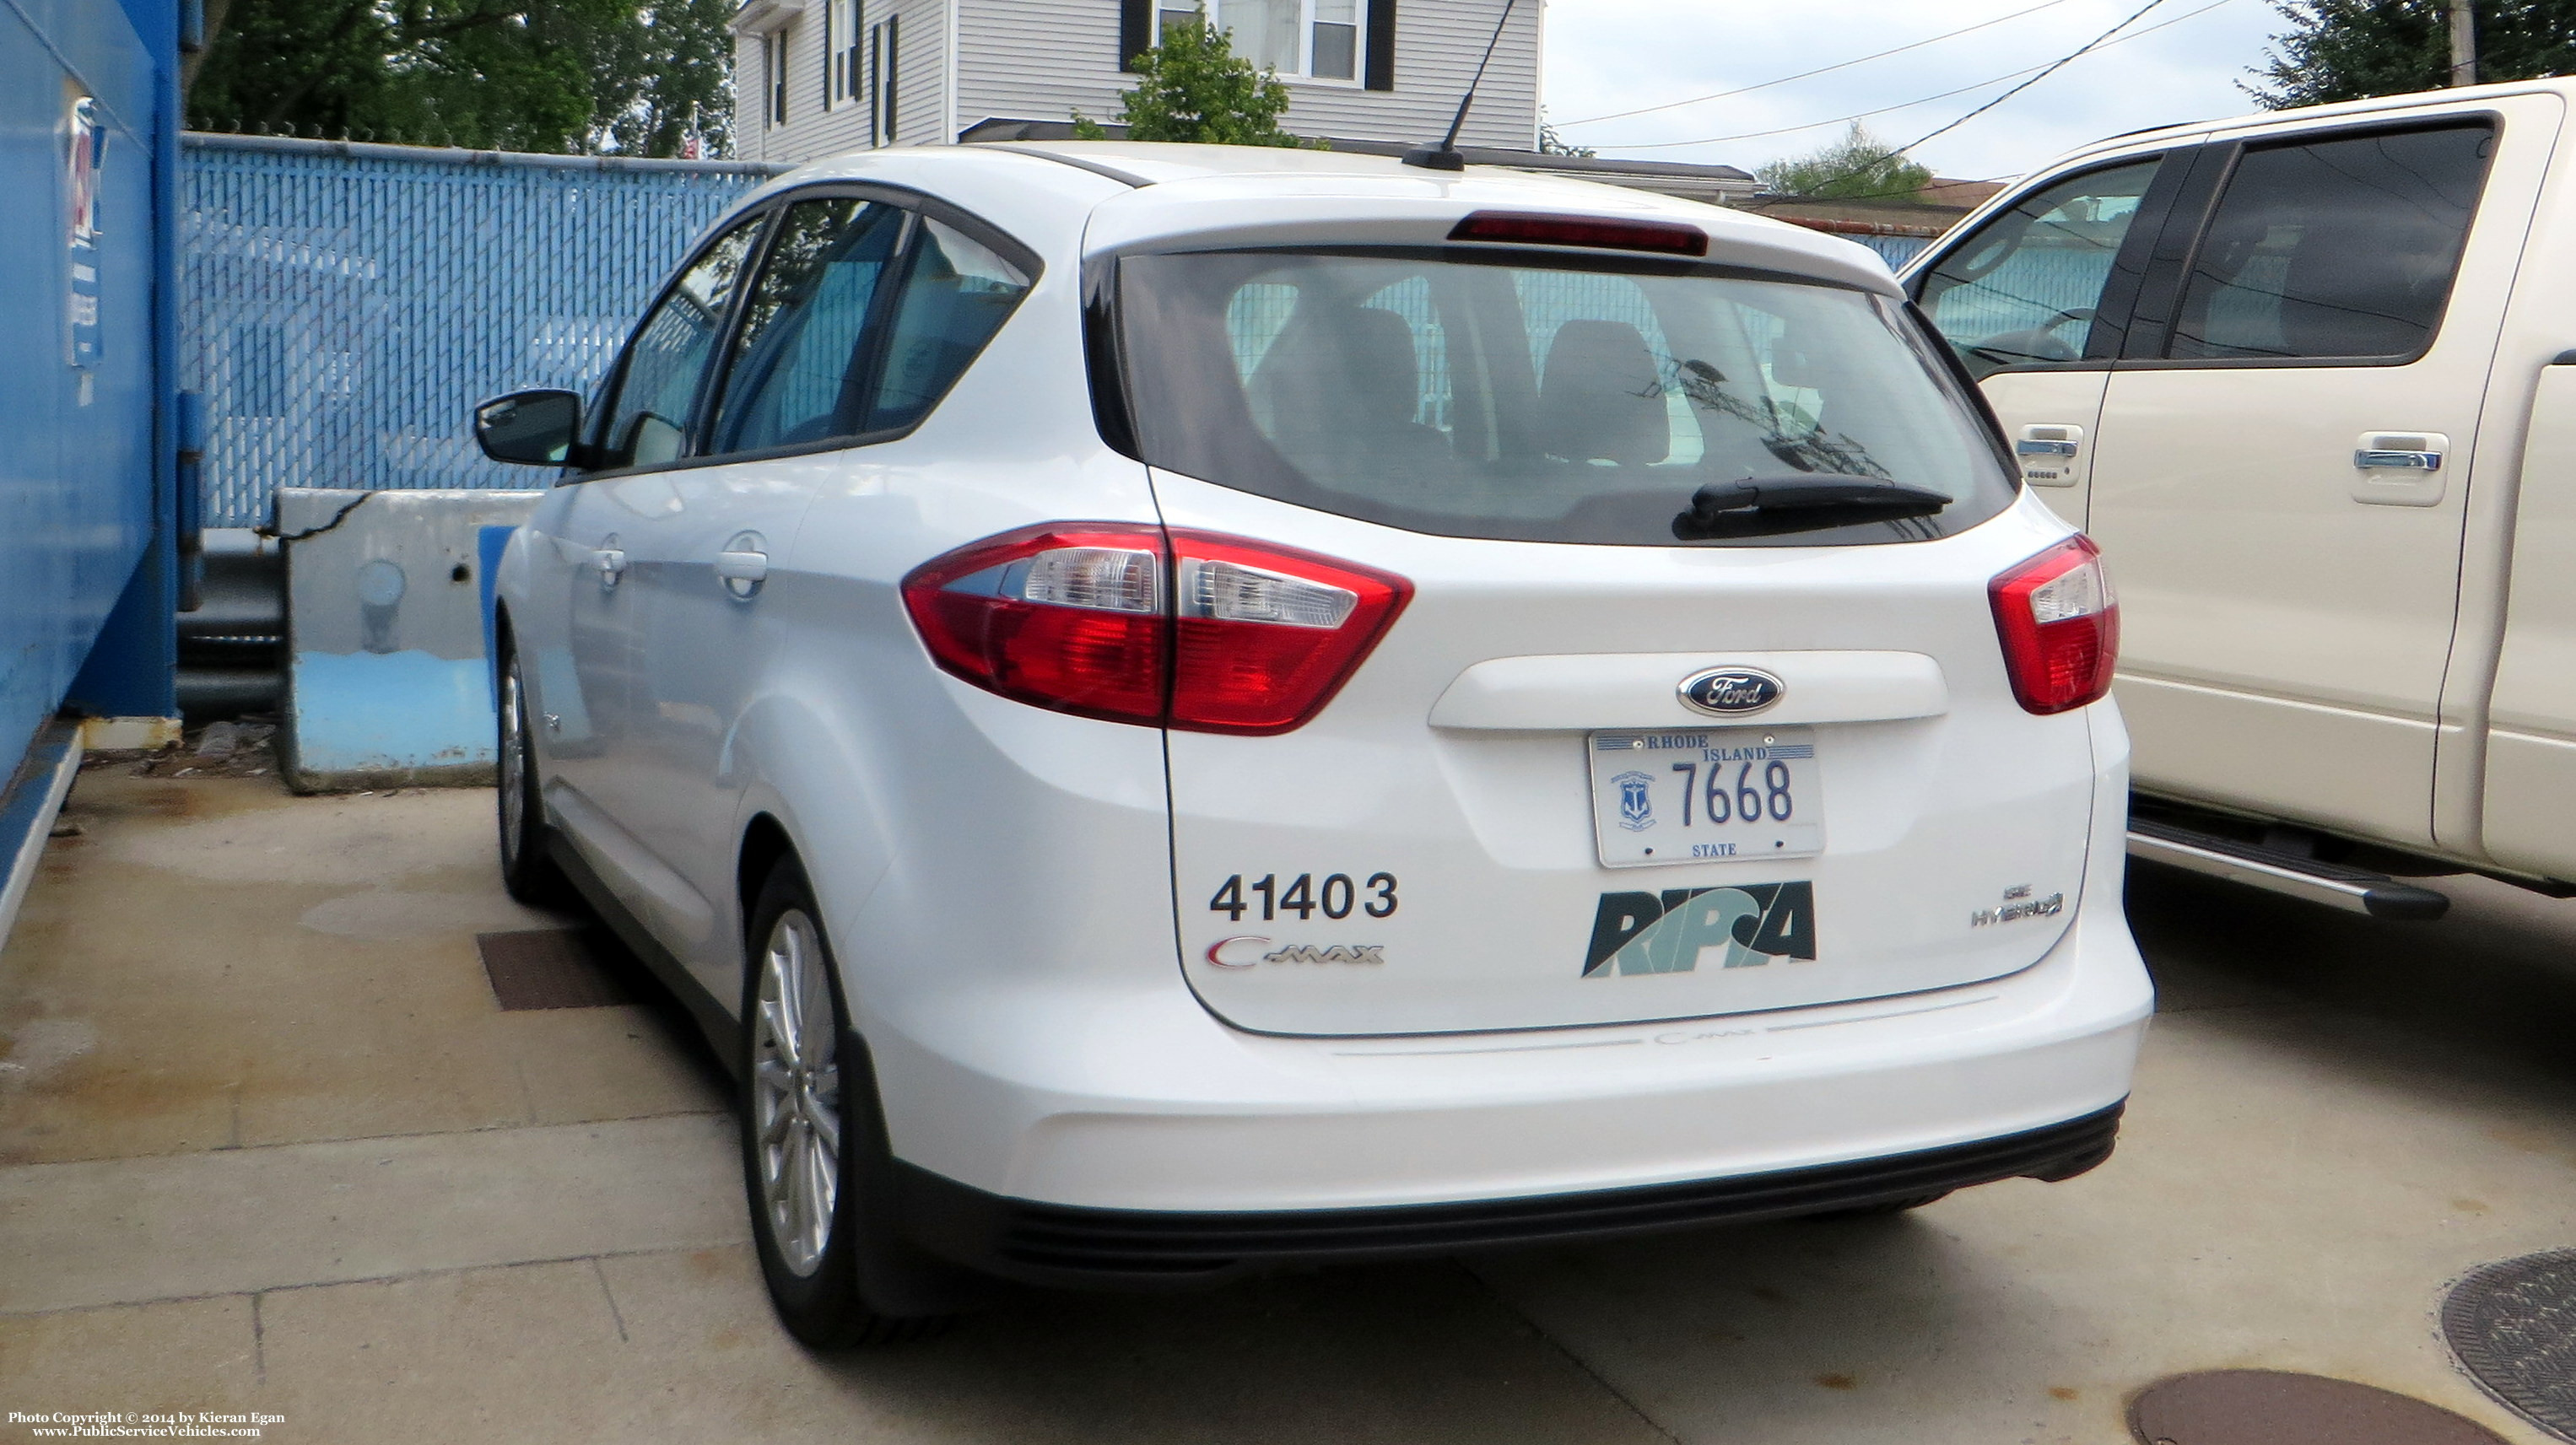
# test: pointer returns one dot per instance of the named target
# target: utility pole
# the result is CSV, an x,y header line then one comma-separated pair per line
x,y
2464,42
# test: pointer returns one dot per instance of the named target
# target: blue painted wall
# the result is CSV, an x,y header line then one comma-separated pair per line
x,y
85,485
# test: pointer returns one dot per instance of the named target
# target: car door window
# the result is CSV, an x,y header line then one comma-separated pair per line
x,y
2023,290
957,292
2340,248
801,356
647,421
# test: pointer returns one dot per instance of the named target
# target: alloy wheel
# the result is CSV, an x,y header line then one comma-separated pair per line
x,y
514,767
796,1093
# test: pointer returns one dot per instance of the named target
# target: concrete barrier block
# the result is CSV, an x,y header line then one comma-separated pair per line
x,y
388,682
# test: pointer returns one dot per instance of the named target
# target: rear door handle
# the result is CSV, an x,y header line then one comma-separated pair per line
x,y
2399,469
611,563
742,566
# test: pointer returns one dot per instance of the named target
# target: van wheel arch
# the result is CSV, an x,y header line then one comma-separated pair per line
x,y
764,843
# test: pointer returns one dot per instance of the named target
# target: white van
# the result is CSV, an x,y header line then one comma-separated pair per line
x,y
2306,378
1178,708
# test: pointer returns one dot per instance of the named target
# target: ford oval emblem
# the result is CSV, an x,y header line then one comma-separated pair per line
x,y
1731,691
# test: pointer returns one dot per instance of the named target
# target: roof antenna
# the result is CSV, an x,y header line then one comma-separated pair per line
x,y
1444,156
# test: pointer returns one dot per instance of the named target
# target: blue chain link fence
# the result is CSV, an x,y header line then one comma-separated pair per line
x,y
1894,250
343,305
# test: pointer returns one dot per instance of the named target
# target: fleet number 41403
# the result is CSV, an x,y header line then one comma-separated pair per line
x,y
1335,897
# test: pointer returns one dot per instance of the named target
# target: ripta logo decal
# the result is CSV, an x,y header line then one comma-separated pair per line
x,y
1744,926
1249,951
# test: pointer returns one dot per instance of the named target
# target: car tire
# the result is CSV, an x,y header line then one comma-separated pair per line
x,y
815,1166
528,869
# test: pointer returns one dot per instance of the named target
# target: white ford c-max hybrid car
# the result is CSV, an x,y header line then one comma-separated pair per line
x,y
1178,708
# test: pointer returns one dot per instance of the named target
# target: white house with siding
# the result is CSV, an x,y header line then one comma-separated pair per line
x,y
817,77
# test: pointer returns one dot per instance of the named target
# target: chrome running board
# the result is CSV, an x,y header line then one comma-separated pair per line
x,y
2354,890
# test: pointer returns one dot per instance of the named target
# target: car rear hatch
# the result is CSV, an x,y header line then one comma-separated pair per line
x,y
1683,700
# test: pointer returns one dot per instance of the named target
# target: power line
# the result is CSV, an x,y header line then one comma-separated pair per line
x,y
1662,145
2095,43
2035,72
1822,69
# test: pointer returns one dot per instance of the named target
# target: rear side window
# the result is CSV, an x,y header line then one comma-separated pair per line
x,y
2022,291
1537,399
2336,248
800,359
957,293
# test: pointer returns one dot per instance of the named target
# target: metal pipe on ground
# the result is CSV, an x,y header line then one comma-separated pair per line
x,y
232,649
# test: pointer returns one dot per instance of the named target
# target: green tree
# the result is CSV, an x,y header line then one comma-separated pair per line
x,y
1552,144
1859,165
1193,87
2354,49
655,80
628,76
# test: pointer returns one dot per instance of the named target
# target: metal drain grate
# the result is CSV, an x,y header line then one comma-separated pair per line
x,y
553,968
2514,1326
2272,1407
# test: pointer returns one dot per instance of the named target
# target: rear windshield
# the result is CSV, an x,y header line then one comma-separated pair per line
x,y
1538,399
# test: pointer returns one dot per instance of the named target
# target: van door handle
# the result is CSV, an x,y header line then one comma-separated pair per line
x,y
742,566
611,563
2399,468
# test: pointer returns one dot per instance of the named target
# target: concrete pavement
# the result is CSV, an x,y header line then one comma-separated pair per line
x,y
275,1147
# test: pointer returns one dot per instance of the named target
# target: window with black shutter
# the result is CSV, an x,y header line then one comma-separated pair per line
x,y
1381,44
1135,31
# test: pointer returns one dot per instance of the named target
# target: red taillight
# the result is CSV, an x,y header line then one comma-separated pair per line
x,y
1195,630
2060,627
1267,634
1069,617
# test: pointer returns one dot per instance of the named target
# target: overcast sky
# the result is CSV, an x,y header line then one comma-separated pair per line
x,y
1605,56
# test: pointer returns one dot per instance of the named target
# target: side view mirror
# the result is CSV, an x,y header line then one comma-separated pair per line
x,y
537,428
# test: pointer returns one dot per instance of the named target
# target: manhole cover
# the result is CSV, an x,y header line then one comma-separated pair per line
x,y
2514,1326
552,968
2269,1407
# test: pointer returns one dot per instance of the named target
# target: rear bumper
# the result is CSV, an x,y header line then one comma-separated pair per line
x,y
1021,1104
1153,1107
1051,1244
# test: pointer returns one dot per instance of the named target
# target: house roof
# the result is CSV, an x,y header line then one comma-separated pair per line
x,y
1928,212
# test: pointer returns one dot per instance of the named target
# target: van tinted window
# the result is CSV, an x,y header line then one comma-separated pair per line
x,y
2342,247
1538,399
799,357
958,293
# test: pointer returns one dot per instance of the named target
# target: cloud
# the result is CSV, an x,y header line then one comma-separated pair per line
x,y
1605,56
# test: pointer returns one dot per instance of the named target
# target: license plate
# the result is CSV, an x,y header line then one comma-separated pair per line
x,y
1700,795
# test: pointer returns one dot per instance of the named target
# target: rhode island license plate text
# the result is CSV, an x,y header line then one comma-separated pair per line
x,y
1697,795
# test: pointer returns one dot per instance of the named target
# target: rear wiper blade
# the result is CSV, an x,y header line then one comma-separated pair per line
x,y
1800,501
